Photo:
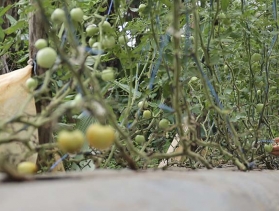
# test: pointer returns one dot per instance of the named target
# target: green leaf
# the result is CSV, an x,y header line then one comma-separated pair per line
x,y
11,19
228,91
225,4
15,27
134,9
102,9
127,88
4,10
23,58
167,3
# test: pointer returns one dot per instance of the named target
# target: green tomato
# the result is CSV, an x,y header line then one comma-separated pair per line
x,y
256,57
268,148
146,114
122,40
164,123
92,30
40,44
140,139
46,57
143,104
91,41
261,84
77,14
107,74
108,42
97,45
58,16
31,83
194,78
226,67
259,107
105,26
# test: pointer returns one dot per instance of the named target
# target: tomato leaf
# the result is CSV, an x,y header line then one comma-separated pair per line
x,y
225,4
5,9
15,27
11,19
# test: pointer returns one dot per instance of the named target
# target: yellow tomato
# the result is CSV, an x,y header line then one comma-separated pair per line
x,y
70,142
26,168
100,136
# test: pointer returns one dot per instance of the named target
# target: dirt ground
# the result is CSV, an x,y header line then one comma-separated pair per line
x,y
175,189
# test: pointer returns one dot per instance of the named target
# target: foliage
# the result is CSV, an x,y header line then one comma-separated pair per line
x,y
191,61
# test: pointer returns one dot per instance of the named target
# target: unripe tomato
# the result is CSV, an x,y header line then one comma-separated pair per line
x,y
226,67
77,14
79,138
46,57
146,114
40,43
27,168
259,107
108,42
122,40
191,38
107,74
256,57
91,41
31,83
261,84
91,30
97,45
194,78
268,148
140,139
58,16
142,104
70,142
100,136
164,123
105,26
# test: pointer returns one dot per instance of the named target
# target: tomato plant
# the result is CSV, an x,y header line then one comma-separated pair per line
x,y
139,67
